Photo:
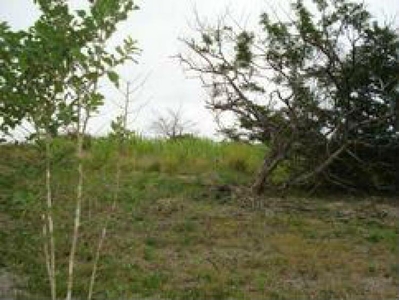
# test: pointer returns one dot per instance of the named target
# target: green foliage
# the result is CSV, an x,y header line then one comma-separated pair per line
x,y
114,77
52,82
184,156
320,90
52,67
244,55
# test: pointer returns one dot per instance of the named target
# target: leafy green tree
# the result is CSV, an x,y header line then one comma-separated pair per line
x,y
49,77
320,89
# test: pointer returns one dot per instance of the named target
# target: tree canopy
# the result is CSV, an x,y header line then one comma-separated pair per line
x,y
320,87
48,67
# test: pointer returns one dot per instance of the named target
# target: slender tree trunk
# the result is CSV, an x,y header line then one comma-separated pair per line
x,y
104,232
47,255
96,260
102,239
76,221
46,246
50,243
79,196
120,141
270,163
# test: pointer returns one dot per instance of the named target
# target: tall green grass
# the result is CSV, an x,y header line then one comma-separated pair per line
x,y
173,237
154,172
187,156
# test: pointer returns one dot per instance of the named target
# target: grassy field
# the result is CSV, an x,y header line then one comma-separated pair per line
x,y
177,233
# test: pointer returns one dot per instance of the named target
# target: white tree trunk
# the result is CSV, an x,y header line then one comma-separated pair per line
x,y
49,231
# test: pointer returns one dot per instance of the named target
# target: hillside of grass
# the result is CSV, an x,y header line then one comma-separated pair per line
x,y
185,227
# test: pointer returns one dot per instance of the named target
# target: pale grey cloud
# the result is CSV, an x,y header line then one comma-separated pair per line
x,y
157,27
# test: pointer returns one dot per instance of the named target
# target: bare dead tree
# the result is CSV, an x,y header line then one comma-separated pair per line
x,y
173,125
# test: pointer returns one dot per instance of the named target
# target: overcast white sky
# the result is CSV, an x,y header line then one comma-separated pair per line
x,y
157,27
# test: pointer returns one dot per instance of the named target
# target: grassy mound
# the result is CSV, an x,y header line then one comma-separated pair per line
x,y
176,235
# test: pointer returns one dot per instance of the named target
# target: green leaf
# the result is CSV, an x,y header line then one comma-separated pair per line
x,y
108,61
81,13
113,77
